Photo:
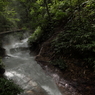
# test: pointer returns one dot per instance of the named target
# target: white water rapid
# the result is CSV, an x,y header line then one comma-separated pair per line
x,y
24,70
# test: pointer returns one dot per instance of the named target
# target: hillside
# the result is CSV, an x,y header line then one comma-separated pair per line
x,y
69,44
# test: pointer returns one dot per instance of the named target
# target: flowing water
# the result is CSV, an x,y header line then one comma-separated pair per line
x,y
24,70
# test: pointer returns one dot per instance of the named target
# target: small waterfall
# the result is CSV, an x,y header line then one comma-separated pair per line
x,y
24,70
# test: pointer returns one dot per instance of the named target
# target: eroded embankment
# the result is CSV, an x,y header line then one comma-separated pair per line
x,y
79,79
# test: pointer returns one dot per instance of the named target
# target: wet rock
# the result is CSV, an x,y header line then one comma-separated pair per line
x,y
40,58
2,51
36,91
2,71
12,50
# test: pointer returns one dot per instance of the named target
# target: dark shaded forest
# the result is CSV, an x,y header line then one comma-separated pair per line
x,y
63,34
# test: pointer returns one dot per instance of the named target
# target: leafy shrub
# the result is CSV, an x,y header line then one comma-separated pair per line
x,y
37,33
60,15
60,11
34,38
7,87
60,63
78,40
78,36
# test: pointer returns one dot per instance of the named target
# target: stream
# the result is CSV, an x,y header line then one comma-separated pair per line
x,y
24,70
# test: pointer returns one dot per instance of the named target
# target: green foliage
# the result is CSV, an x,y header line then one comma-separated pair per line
x,y
6,16
8,87
58,11
35,36
60,63
60,15
79,37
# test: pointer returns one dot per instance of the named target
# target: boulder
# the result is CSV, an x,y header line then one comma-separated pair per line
x,y
2,70
2,51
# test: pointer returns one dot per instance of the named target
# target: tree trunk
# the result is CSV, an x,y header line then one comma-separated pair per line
x,y
47,9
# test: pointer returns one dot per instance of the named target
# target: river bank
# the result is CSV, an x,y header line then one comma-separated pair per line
x,y
80,79
74,81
